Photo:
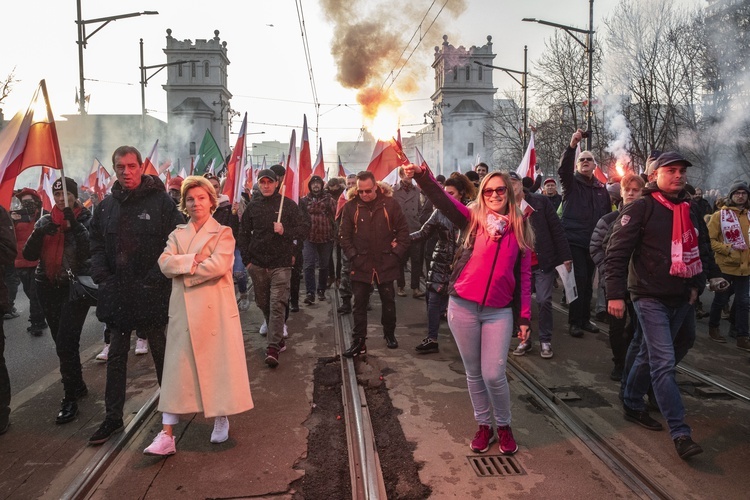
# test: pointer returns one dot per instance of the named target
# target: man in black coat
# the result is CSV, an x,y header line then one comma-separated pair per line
x,y
374,236
128,233
7,258
550,250
584,201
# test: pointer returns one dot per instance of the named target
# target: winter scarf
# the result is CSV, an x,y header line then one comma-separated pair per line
x,y
497,225
730,228
52,250
686,261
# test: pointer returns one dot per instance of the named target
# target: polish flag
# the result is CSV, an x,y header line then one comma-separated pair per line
x,y
104,182
342,171
149,164
291,179
386,157
29,140
527,168
90,180
319,168
305,161
235,165
46,179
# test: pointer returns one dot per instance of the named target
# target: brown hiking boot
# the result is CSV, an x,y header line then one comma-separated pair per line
x,y
715,334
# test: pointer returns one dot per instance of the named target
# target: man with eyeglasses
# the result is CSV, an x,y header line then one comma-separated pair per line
x,y
584,201
374,236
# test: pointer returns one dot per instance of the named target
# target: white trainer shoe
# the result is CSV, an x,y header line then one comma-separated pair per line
x,y
162,445
221,430
141,346
263,329
546,350
286,332
104,355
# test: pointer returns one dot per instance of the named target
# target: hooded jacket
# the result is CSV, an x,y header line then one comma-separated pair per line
x,y
258,243
638,256
366,235
128,233
23,223
584,201
321,209
551,246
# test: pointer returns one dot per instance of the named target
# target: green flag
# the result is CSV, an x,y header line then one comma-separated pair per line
x,y
209,151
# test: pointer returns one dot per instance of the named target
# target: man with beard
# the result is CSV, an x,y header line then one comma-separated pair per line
x,y
321,209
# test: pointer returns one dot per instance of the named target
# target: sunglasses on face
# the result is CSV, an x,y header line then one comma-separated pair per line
x,y
500,190
365,191
581,160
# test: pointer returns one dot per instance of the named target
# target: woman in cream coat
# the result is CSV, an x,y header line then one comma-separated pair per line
x,y
204,365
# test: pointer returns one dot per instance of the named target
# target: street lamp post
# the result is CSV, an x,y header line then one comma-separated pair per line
x,y
524,86
83,38
588,47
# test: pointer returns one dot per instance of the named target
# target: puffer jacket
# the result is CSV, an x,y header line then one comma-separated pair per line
x,y
551,246
597,248
446,232
731,261
76,250
366,235
128,233
584,201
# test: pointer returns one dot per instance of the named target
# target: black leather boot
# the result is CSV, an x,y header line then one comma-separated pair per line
x,y
357,348
346,307
390,341
68,412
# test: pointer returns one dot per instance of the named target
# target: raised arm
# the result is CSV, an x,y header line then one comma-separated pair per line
x,y
454,210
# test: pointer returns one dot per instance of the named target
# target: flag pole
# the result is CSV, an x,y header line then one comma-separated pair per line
x,y
281,205
51,119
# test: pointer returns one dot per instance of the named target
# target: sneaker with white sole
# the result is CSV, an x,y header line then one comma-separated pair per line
x,y
163,445
243,304
546,350
141,346
286,332
104,355
263,329
221,430
522,348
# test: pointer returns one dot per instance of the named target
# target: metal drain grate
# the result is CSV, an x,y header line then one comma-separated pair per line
x,y
496,465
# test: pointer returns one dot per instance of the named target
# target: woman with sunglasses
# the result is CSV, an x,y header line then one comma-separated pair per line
x,y
491,271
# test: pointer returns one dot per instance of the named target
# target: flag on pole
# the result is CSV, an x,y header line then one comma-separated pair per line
x,y
46,179
305,161
208,153
319,168
386,157
235,165
527,167
90,180
248,175
342,171
291,179
152,160
29,140
104,182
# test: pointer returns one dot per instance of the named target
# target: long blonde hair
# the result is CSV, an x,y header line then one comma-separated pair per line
x,y
479,211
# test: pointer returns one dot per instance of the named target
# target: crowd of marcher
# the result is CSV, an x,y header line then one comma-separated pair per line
x,y
484,242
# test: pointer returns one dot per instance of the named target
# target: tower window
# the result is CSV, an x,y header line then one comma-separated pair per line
x,y
205,69
468,73
455,73
179,70
192,70
480,71
470,149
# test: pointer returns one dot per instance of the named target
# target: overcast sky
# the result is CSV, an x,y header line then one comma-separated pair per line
x,y
265,48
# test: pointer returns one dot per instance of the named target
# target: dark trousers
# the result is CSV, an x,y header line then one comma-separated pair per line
x,y
65,319
296,276
436,305
361,292
345,285
320,254
10,276
117,365
583,267
621,334
415,257
26,275
4,382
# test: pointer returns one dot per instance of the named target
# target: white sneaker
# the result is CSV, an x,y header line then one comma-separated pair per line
x,y
102,356
546,350
263,329
243,305
221,430
141,346
286,332
162,445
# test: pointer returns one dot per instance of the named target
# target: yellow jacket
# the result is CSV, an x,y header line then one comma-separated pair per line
x,y
731,261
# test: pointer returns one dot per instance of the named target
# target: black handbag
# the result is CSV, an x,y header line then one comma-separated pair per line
x,y
82,288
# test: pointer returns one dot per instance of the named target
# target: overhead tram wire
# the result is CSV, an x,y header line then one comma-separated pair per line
x,y
308,60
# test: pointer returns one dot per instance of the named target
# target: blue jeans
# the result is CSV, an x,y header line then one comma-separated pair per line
x,y
436,304
543,283
483,337
740,287
319,253
659,326
239,272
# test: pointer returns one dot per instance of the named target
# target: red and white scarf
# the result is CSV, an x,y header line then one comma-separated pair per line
x,y
731,229
686,261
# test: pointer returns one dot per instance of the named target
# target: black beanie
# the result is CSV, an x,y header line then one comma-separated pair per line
x,y
70,184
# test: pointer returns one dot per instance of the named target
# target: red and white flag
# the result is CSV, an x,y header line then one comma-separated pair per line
x,y
386,157
46,179
29,140
319,168
305,161
235,165
527,168
149,164
291,179
104,182
342,171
